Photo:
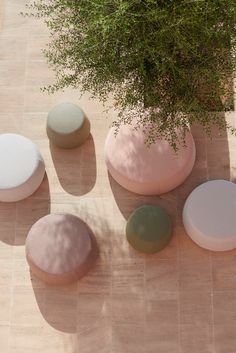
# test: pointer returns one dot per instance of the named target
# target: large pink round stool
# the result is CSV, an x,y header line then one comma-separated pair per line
x,y
147,170
60,248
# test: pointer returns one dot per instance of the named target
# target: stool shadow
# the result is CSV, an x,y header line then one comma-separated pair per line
x,y
75,307
76,168
57,304
16,218
212,162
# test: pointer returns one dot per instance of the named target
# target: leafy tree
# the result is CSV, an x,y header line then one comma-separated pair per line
x,y
168,62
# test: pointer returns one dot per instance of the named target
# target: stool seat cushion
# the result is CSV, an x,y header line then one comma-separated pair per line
x,y
21,167
209,215
149,229
67,126
60,248
147,170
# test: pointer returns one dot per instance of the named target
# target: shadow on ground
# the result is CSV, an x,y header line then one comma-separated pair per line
x,y
79,306
16,218
76,168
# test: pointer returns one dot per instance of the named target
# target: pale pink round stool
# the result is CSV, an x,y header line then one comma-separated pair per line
x,y
60,248
147,170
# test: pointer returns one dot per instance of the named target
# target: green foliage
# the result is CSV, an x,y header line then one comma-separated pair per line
x,y
169,62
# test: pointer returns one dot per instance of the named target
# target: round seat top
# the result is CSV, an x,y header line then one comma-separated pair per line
x,y
143,169
59,243
209,215
149,228
19,159
65,118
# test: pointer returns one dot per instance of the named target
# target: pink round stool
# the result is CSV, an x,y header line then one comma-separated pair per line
x,y
60,248
147,170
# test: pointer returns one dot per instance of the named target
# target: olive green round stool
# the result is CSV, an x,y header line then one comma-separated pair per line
x,y
149,229
67,126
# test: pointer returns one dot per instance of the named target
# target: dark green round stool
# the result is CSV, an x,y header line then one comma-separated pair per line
x,y
149,229
67,126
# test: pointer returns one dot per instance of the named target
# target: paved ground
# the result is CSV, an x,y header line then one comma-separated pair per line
x,y
182,300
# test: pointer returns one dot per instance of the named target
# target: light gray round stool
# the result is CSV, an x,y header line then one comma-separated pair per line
x,y
21,167
67,126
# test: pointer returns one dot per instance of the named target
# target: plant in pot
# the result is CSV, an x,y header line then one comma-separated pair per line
x,y
169,64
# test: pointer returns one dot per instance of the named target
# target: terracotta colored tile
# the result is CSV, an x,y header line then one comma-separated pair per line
x,y
35,46
201,154
197,132
225,339
96,338
22,273
4,338
196,338
128,276
127,309
36,100
58,342
37,28
161,275
218,159
26,339
25,308
12,73
7,229
13,24
224,308
195,274
188,249
195,307
6,275
128,339
93,310
5,304
60,307
13,47
198,176
223,269
98,280
11,99
38,74
162,338
11,123
28,212
34,126
166,310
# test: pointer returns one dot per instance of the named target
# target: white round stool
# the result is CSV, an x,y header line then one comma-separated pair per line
x,y
21,167
209,215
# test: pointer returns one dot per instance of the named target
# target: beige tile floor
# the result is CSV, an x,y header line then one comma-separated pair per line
x,y
181,300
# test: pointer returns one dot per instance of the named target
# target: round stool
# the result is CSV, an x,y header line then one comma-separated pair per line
x,y
209,215
60,248
149,229
21,167
147,170
67,126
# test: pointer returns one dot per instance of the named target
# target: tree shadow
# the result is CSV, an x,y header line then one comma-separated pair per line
x,y
212,158
63,307
76,168
16,218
